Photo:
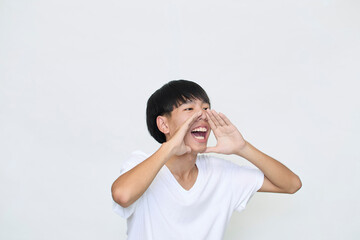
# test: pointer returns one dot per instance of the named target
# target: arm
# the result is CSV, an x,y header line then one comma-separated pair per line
x,y
131,185
278,178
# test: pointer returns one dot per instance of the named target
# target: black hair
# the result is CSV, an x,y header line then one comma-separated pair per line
x,y
168,97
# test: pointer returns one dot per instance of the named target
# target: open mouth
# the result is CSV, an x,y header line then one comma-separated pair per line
x,y
199,133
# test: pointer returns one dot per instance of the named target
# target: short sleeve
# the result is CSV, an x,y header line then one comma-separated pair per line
x,y
135,158
245,182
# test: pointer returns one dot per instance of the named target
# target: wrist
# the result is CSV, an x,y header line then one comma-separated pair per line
x,y
241,151
168,148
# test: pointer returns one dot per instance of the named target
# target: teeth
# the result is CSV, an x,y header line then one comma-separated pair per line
x,y
199,129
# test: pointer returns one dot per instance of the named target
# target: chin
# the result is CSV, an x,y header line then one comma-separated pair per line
x,y
198,149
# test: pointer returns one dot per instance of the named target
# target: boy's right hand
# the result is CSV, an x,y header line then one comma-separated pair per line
x,y
176,142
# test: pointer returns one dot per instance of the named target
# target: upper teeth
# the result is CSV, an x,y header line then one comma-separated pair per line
x,y
199,129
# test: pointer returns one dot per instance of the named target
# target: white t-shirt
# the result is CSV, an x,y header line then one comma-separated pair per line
x,y
166,211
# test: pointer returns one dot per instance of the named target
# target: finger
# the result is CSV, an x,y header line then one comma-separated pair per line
x,y
211,123
192,119
219,119
182,130
213,118
226,120
186,125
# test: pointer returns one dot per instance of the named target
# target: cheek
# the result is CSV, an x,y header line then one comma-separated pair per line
x,y
174,128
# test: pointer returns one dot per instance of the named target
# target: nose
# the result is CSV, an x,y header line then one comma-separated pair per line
x,y
203,115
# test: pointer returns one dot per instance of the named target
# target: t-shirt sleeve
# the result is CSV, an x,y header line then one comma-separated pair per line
x,y
245,182
135,158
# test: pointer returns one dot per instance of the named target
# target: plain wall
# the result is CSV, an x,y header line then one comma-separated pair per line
x,y
75,76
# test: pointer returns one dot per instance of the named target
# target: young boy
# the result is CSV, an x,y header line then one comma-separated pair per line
x,y
178,194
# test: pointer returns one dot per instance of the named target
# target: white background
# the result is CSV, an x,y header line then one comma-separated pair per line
x,y
75,76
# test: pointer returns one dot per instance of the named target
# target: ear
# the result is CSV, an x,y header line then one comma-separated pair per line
x,y
162,124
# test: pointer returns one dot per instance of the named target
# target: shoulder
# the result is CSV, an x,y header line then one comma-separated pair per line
x,y
138,154
132,160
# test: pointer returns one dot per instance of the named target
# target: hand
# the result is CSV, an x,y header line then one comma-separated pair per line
x,y
177,141
229,139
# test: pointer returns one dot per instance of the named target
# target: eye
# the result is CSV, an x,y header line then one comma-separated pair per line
x,y
205,108
188,109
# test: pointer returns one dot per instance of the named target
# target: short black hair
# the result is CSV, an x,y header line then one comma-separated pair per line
x,y
170,96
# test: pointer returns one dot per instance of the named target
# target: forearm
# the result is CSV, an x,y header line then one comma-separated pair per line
x,y
277,173
131,185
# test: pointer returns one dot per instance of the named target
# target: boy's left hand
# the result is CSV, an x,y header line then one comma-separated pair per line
x,y
229,139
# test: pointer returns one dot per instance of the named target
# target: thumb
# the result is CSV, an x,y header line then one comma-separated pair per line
x,y
188,149
184,150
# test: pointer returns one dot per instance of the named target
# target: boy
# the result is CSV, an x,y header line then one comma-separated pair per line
x,y
176,193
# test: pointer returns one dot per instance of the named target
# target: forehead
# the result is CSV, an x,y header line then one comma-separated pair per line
x,y
192,101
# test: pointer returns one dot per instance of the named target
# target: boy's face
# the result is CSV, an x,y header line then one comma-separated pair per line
x,y
197,136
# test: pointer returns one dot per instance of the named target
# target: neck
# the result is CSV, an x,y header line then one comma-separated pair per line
x,y
182,166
